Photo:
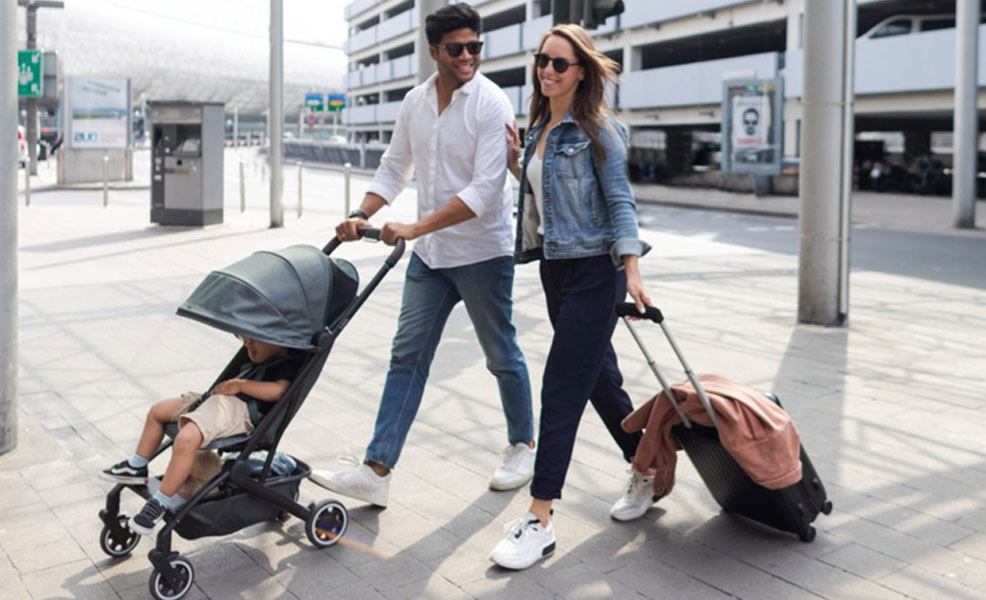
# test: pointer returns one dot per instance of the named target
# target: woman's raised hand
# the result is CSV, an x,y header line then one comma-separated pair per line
x,y
513,149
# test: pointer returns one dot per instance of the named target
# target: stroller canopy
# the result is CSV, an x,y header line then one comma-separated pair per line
x,y
282,297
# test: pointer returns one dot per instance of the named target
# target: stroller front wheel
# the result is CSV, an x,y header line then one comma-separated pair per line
x,y
326,523
162,590
118,541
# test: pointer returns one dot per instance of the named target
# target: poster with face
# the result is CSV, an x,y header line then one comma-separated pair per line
x,y
751,122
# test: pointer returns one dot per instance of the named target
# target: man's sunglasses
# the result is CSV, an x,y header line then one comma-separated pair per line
x,y
455,48
560,64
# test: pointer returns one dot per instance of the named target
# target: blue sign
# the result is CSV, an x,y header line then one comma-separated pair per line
x,y
314,101
337,102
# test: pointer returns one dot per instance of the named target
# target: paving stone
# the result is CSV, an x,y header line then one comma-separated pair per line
x,y
915,582
863,561
910,506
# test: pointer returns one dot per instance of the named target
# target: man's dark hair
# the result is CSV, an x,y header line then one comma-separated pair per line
x,y
449,18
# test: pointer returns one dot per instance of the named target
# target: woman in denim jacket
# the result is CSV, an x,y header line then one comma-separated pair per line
x,y
577,215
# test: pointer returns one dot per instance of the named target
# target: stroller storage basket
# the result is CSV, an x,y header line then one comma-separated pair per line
x,y
230,511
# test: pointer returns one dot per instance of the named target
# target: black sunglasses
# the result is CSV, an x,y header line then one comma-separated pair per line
x,y
560,64
455,48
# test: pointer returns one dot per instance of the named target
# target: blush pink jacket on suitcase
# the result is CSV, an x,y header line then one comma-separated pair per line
x,y
758,433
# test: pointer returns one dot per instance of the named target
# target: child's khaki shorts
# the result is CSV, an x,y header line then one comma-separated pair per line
x,y
218,417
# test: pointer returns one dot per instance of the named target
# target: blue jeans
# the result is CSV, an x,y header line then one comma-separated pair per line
x,y
429,296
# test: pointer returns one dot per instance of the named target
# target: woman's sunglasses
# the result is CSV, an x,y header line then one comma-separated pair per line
x,y
560,64
454,49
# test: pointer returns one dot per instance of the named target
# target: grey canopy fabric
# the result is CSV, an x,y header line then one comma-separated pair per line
x,y
282,297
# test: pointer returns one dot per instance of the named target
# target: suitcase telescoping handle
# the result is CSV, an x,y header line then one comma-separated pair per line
x,y
628,309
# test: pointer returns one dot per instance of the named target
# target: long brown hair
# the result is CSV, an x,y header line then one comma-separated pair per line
x,y
589,106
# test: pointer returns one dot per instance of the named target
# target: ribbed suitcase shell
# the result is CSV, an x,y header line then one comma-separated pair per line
x,y
792,509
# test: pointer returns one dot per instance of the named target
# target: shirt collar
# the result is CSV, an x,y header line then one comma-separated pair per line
x,y
466,88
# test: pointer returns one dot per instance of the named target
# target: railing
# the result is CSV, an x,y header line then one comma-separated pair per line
x,y
905,63
397,25
690,84
387,111
503,41
645,13
363,39
358,6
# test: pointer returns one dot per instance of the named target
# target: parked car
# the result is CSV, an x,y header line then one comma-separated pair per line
x,y
908,24
888,177
21,146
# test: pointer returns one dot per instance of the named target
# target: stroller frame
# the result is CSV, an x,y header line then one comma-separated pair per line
x,y
325,522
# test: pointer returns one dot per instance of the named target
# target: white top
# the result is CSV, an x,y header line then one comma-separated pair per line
x,y
460,153
534,176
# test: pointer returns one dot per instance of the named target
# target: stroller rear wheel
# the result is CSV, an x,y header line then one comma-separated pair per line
x,y
162,590
326,523
118,541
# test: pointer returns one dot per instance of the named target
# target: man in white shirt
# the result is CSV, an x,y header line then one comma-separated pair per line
x,y
450,129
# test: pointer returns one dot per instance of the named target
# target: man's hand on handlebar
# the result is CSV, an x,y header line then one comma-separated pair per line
x,y
346,231
391,231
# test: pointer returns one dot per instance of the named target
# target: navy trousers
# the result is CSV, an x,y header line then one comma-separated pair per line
x,y
581,295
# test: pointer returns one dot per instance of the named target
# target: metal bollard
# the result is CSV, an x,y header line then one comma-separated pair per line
x,y
106,180
27,182
299,189
242,189
347,168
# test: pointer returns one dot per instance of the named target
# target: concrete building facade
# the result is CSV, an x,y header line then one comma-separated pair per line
x,y
675,54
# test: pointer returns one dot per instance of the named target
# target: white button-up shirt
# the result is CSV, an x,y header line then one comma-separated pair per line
x,y
460,153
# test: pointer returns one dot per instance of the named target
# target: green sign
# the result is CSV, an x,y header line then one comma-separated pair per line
x,y
337,102
313,101
29,73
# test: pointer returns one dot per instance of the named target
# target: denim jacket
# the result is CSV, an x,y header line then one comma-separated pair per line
x,y
588,207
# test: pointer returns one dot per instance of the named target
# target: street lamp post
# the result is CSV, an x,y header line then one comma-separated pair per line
x,y
8,227
276,118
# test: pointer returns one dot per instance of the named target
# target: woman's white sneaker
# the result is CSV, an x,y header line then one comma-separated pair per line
x,y
638,497
516,469
527,542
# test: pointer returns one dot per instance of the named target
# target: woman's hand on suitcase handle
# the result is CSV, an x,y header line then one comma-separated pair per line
x,y
635,284
629,309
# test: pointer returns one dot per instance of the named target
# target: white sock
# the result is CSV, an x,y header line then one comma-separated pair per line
x,y
164,500
137,461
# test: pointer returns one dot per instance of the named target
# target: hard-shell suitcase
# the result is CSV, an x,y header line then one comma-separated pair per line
x,y
791,509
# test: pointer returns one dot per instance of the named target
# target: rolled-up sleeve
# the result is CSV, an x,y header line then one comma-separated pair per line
x,y
615,184
397,161
490,160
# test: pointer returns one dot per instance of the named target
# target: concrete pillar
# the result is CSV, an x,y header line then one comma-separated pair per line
x,y
826,163
426,66
966,122
275,122
8,226
917,142
678,151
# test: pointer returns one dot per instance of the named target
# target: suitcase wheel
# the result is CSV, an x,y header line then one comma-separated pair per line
x,y
827,507
807,535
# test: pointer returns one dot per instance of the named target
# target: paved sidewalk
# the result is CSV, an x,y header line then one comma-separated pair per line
x,y
904,212
891,410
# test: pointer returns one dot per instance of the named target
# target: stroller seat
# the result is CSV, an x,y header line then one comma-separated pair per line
x,y
297,298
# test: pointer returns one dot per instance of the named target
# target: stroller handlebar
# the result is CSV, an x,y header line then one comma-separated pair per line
x,y
372,233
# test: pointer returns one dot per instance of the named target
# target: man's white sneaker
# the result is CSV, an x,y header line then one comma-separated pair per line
x,y
638,497
526,543
516,469
360,483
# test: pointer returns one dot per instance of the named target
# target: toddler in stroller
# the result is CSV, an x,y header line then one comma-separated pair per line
x,y
232,407
288,307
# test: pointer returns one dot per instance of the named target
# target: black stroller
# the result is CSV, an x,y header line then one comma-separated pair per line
x,y
298,298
